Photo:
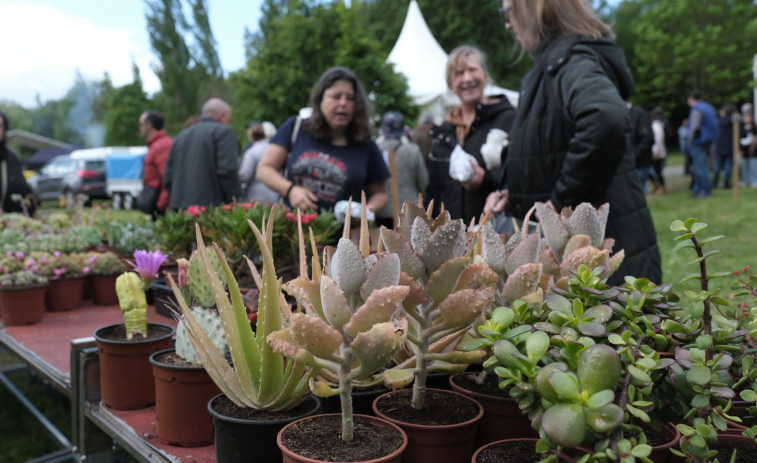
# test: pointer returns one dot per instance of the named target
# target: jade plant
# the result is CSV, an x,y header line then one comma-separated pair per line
x,y
712,365
257,377
448,292
352,322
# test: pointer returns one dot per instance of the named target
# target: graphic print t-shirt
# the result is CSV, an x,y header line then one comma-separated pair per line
x,y
333,173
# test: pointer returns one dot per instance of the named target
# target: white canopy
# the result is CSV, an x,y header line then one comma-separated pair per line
x,y
422,60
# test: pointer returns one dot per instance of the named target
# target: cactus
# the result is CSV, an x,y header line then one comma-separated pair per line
x,y
198,282
211,323
131,298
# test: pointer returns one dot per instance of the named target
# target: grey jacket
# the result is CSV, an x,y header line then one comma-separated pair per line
x,y
412,175
202,167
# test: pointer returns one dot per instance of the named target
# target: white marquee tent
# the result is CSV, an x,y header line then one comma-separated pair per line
x,y
422,60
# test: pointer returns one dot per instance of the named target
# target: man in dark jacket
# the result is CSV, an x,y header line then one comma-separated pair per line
x,y
642,139
203,163
703,131
569,144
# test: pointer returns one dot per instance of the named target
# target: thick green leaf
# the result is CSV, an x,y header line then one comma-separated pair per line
x,y
641,451
677,226
600,399
616,339
697,227
565,385
699,375
537,345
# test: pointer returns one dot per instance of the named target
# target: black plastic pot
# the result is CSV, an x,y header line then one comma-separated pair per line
x,y
241,441
163,297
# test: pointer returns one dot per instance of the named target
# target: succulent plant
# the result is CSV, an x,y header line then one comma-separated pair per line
x,y
21,278
257,376
353,322
211,323
104,263
131,297
198,282
56,265
448,293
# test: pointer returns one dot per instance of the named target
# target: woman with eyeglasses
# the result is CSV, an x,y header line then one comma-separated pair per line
x,y
568,143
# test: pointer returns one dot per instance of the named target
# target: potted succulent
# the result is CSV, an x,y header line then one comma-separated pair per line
x,y
126,378
352,324
104,268
22,293
67,275
261,392
182,386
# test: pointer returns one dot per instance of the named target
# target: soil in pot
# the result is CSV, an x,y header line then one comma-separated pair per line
x,y
514,451
746,449
440,408
320,438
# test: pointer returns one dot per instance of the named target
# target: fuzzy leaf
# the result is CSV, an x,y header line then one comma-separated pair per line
x,y
336,309
447,242
461,308
555,231
315,335
493,249
383,273
378,308
527,252
410,261
375,347
522,282
444,280
397,379
347,267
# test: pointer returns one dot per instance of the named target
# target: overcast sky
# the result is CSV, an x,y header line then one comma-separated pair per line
x,y
45,42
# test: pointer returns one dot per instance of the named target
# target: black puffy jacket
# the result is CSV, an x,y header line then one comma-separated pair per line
x,y
569,144
462,203
16,183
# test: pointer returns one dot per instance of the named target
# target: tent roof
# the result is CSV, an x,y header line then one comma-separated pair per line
x,y
422,60
35,141
419,56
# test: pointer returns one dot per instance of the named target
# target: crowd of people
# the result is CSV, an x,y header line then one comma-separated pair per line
x,y
574,137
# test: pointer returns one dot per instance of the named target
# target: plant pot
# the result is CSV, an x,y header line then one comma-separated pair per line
x,y
237,439
746,448
163,298
64,294
329,426
440,443
502,418
518,449
103,289
661,452
182,393
126,378
22,305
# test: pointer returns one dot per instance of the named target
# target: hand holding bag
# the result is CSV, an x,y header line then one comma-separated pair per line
x,y
148,200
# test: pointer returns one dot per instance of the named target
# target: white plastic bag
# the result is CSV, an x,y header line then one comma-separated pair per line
x,y
491,151
340,211
460,167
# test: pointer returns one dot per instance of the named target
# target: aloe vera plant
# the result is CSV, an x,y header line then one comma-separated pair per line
x,y
353,322
258,377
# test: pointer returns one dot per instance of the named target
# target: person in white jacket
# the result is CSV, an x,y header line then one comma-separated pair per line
x,y
659,151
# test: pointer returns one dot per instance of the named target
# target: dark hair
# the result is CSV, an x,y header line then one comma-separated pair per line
x,y
695,94
360,129
257,132
155,118
6,123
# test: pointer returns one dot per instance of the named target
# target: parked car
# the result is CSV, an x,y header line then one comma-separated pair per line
x,y
81,172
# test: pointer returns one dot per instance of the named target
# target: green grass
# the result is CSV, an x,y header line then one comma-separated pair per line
x,y
729,212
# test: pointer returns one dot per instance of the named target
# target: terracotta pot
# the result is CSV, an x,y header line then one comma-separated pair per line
x,y
439,444
394,457
661,453
362,401
126,378
237,439
502,418
518,443
64,294
22,305
181,402
103,289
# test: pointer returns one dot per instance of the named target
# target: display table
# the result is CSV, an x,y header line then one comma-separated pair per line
x,y
61,348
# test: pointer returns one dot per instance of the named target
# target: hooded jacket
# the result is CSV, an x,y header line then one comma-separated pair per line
x,y
461,203
570,144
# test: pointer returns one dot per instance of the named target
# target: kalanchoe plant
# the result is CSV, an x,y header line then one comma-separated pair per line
x,y
258,377
353,322
448,293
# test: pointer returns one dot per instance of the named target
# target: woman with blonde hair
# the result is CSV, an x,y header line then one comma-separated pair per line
x,y
569,141
474,133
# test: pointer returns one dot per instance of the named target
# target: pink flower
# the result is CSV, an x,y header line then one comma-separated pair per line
x,y
183,273
147,264
228,207
195,210
19,255
58,273
56,253
290,216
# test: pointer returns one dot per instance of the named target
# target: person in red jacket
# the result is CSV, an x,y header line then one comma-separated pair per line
x,y
158,148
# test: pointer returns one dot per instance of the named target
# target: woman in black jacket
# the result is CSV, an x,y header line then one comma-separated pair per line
x,y
569,141
12,179
479,126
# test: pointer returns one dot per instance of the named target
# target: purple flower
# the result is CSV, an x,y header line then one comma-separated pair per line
x,y
56,253
19,255
58,273
147,264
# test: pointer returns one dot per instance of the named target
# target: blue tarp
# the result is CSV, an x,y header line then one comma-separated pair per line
x,y
124,165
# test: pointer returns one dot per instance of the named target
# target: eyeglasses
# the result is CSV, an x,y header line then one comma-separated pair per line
x,y
504,14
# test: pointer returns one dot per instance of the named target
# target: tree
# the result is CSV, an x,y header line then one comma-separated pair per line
x,y
188,74
125,105
682,45
300,39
